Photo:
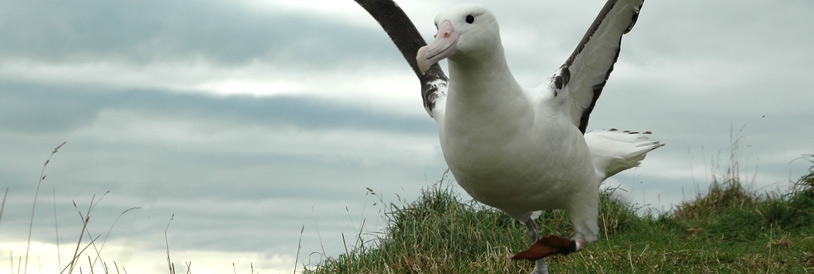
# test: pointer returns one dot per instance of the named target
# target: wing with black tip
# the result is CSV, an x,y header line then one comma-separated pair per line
x,y
405,36
584,74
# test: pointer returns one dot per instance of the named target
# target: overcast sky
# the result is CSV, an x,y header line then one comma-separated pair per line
x,y
248,120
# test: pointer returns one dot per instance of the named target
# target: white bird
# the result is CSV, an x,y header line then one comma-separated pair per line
x,y
522,150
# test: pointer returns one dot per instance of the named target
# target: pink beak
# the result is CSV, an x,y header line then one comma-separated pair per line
x,y
443,46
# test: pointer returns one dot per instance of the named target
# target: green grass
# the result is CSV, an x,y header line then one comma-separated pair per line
x,y
728,230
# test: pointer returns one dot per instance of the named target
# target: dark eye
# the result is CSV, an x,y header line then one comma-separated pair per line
x,y
470,19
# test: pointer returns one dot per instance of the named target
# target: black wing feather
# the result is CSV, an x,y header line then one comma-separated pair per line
x,y
624,14
406,37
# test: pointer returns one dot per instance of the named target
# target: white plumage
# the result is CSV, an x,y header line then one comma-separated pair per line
x,y
522,150
614,151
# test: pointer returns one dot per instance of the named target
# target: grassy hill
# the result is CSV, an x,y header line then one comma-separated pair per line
x,y
728,230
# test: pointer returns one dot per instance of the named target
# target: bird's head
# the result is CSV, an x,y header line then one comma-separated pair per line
x,y
464,30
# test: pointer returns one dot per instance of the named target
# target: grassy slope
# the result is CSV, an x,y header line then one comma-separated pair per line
x,y
729,230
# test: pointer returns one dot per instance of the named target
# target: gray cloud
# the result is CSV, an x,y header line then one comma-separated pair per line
x,y
35,109
157,31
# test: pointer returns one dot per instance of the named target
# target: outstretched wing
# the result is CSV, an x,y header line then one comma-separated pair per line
x,y
406,37
585,73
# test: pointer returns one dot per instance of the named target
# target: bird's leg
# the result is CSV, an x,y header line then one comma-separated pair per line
x,y
540,266
579,242
531,230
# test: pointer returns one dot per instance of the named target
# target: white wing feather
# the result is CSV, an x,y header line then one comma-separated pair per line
x,y
614,151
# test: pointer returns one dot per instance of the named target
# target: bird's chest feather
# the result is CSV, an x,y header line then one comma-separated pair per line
x,y
508,160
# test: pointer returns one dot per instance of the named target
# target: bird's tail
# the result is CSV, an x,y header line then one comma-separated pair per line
x,y
614,150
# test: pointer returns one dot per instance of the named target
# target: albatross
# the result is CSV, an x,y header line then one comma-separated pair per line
x,y
521,150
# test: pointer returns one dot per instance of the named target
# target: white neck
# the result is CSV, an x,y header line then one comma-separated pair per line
x,y
483,92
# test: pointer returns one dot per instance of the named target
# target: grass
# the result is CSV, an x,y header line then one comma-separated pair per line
x,y
730,229
87,252
89,244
